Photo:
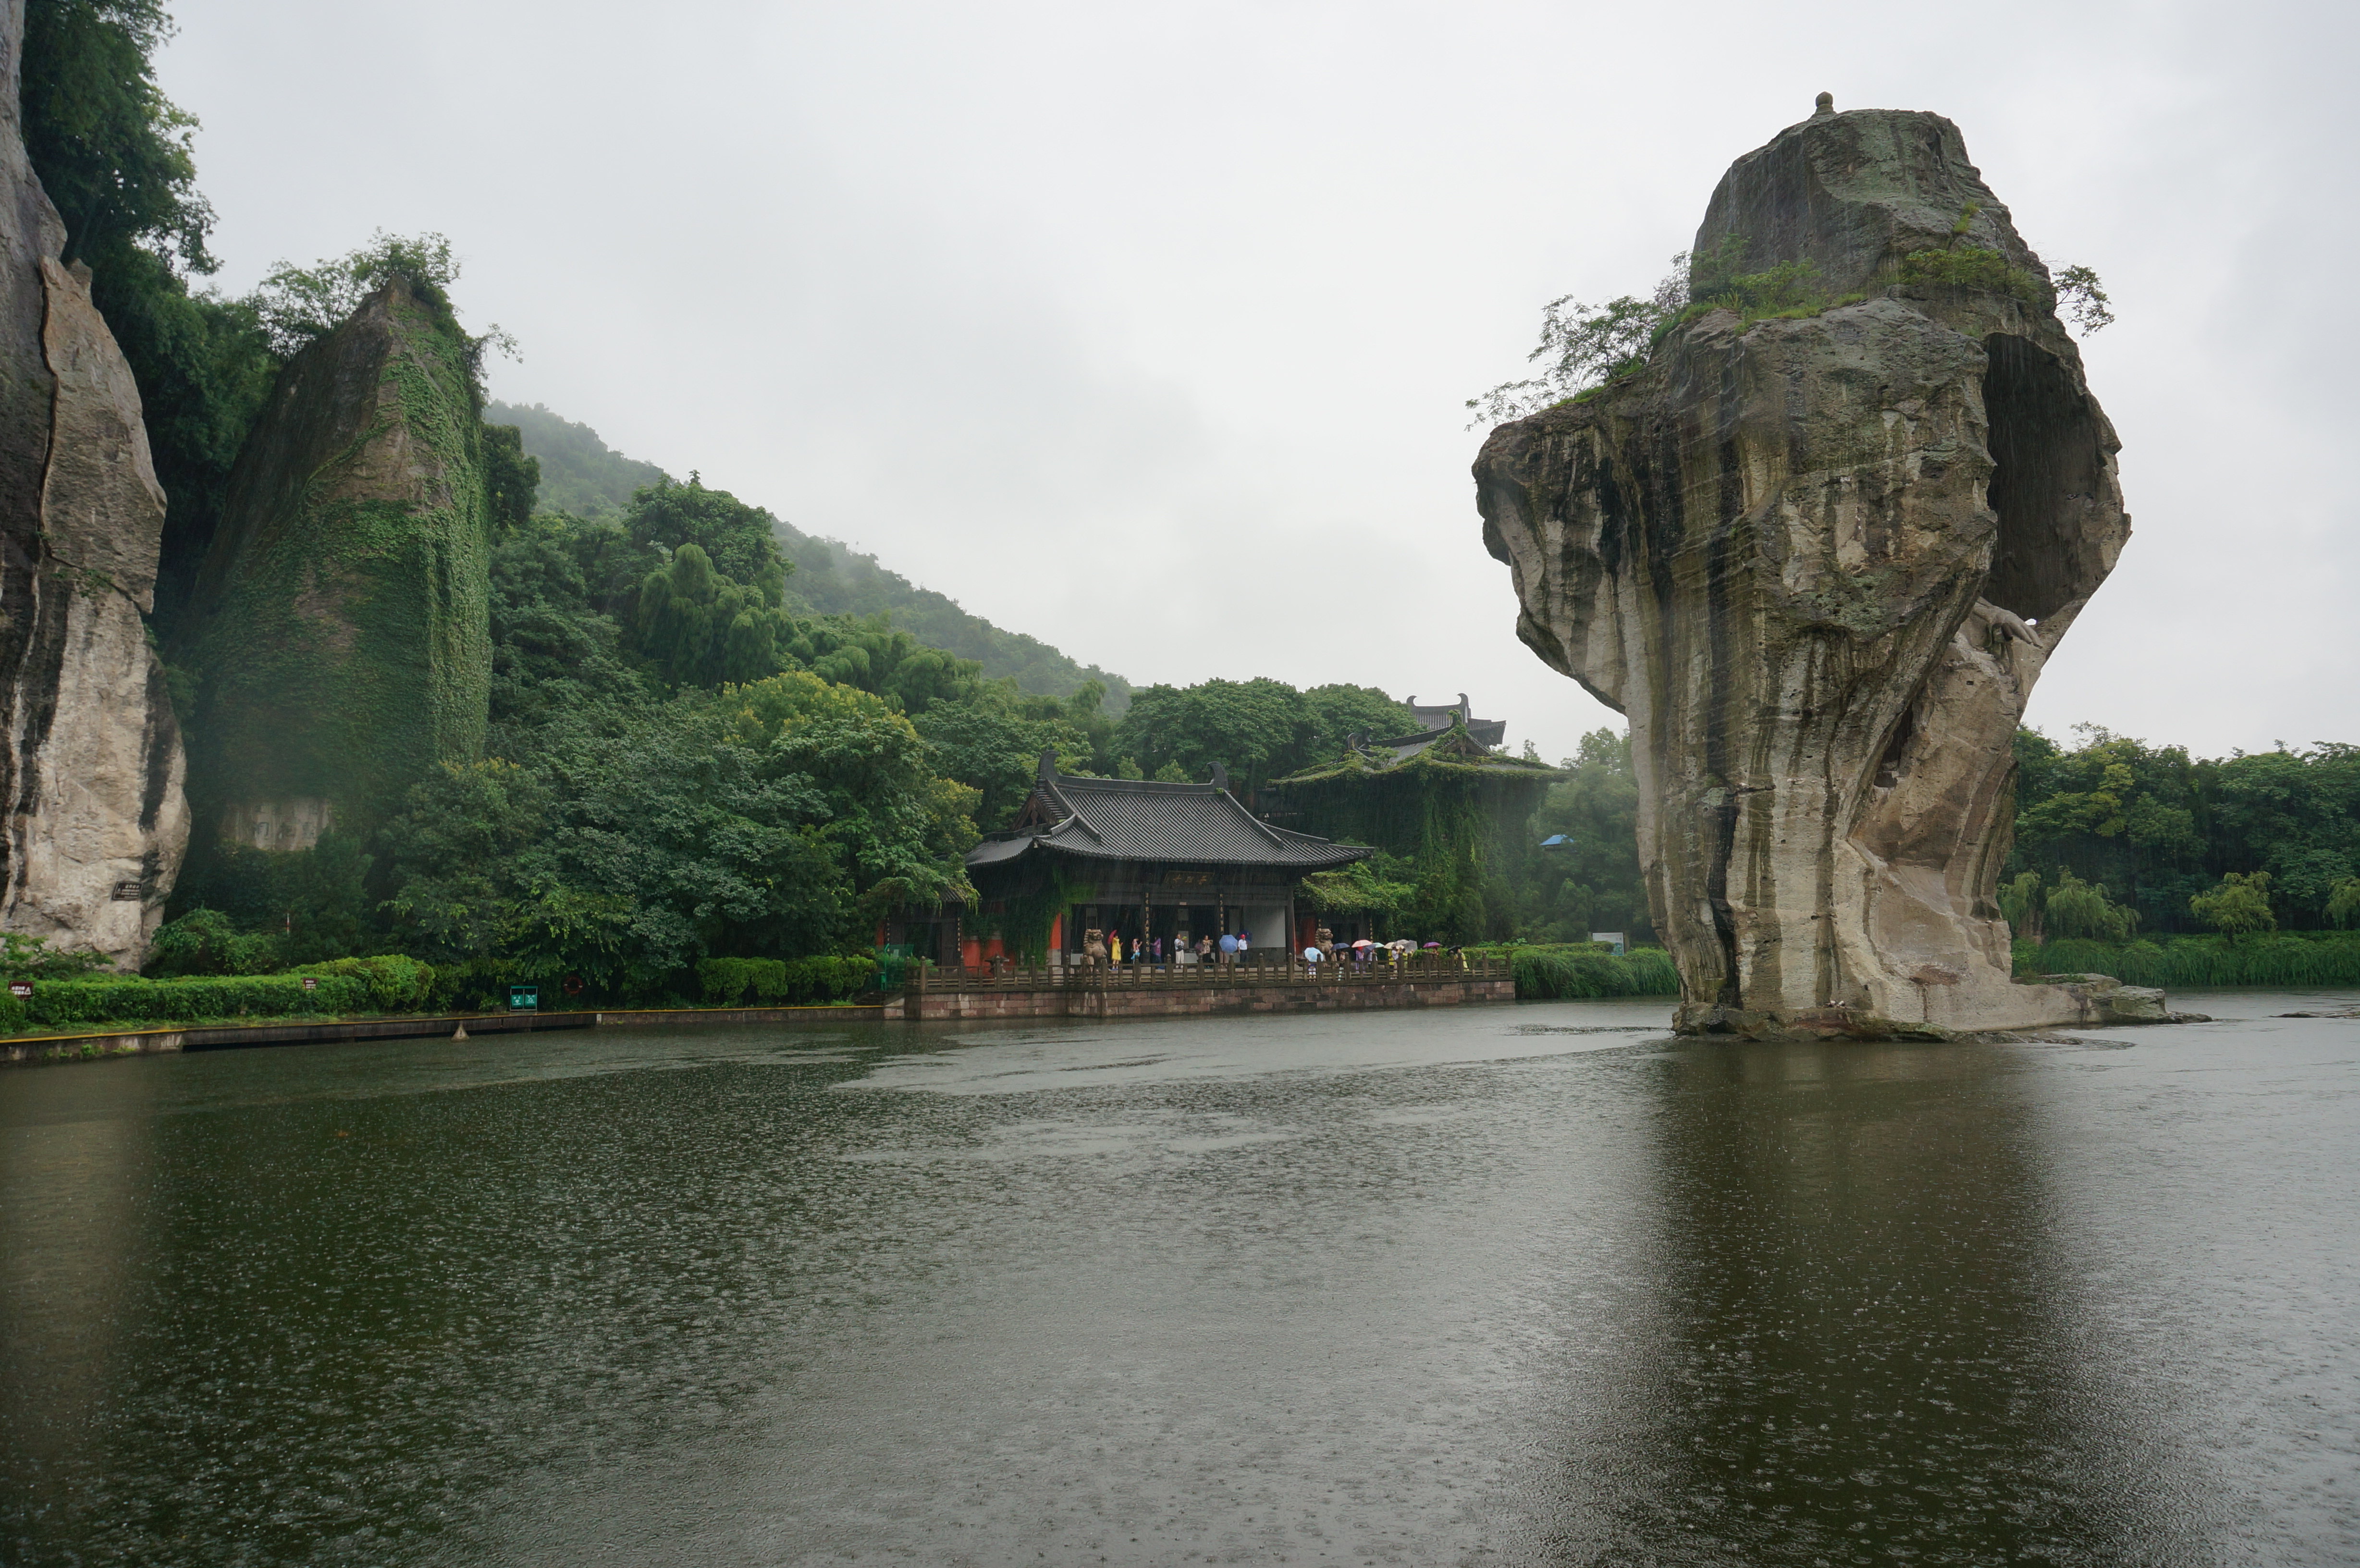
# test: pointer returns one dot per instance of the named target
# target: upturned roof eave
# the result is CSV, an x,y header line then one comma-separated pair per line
x,y
1343,855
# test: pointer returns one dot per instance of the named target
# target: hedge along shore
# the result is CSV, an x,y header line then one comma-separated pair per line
x,y
1570,971
224,1035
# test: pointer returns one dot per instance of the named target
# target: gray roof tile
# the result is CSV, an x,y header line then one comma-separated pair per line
x,y
1122,819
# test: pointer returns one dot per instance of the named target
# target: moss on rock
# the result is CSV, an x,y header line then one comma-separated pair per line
x,y
346,647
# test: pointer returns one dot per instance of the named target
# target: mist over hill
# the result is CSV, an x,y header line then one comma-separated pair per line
x,y
582,475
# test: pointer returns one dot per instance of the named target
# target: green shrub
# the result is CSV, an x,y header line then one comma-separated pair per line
x,y
131,998
1789,291
1562,971
2325,958
775,981
207,941
1973,266
1653,972
395,982
32,958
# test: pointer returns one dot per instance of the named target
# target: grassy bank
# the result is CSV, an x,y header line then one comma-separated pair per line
x,y
1570,970
2285,958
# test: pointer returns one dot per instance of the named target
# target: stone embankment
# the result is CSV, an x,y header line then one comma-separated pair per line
x,y
945,996
1180,992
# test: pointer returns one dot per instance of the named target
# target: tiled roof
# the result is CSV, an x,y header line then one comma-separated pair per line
x,y
1123,818
1435,720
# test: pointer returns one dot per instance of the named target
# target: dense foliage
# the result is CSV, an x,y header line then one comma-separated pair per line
x,y
2311,958
1591,882
580,474
114,155
2159,829
583,476
124,998
662,788
1259,730
1569,971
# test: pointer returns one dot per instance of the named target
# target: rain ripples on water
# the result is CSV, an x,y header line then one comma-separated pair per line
x,y
1528,1285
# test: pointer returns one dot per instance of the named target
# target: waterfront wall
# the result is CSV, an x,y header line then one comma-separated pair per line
x,y
1034,994
1276,993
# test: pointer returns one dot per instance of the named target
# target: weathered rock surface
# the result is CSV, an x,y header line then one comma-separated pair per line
x,y
1819,563
346,647
91,771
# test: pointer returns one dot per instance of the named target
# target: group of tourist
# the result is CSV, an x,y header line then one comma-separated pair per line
x,y
1325,949
1108,947
1102,947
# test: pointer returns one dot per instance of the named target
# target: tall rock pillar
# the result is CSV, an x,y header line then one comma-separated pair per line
x,y
346,645
90,767
1819,563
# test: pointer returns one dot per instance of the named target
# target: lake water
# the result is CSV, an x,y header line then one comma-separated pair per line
x,y
1505,1285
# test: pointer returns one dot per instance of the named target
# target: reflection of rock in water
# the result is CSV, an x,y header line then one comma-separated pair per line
x,y
78,1152
1820,563
1864,1344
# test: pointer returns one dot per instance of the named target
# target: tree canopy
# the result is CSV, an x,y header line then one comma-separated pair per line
x,y
1258,730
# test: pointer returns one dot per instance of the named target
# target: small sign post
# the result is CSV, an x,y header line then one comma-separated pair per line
x,y
311,981
1613,938
21,989
524,998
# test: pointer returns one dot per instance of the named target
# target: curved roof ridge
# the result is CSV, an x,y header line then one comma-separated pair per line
x,y
1268,832
1072,812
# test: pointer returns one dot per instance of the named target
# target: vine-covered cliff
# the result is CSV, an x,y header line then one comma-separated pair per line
x,y
346,647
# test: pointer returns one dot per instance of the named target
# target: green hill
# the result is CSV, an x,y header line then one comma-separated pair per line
x,y
580,474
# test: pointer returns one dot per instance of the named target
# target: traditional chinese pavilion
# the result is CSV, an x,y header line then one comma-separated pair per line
x,y
1136,858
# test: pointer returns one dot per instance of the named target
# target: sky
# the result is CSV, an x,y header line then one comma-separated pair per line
x,y
1147,328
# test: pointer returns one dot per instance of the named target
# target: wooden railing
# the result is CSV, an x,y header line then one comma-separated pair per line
x,y
1251,969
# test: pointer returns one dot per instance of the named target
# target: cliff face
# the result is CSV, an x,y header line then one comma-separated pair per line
x,y
92,772
1819,563
347,647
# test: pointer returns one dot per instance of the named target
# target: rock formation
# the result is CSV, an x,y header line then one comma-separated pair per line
x,y
1820,560
92,769
346,647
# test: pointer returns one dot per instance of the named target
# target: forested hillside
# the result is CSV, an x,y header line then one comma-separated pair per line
x,y
582,475
2114,838
579,474
712,739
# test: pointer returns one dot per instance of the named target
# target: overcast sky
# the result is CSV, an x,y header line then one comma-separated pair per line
x,y
1145,328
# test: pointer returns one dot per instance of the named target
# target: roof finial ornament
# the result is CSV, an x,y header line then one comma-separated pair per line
x,y
1048,764
1220,776
1826,105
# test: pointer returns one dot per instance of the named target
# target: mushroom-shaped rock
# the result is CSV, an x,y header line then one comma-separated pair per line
x,y
1820,561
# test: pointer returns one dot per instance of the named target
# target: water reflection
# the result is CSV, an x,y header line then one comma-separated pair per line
x,y
1860,1343
74,1190
1497,1287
